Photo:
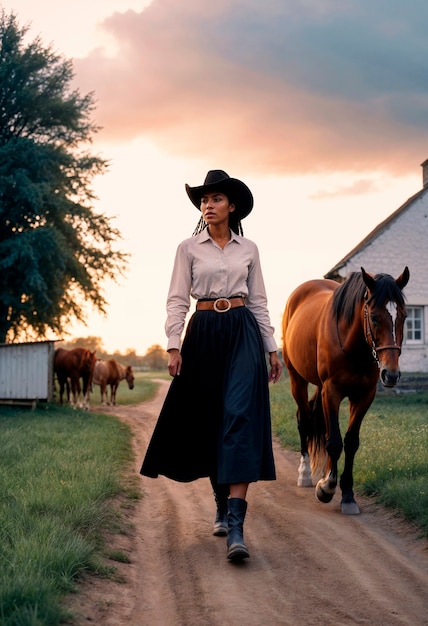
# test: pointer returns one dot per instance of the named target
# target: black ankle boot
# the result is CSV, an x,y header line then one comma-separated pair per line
x,y
221,494
237,550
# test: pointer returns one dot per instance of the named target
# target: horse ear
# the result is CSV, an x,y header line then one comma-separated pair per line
x,y
369,279
403,279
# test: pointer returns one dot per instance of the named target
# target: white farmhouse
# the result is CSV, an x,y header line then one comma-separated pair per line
x,y
400,240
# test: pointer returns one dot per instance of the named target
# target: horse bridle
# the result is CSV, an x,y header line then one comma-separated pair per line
x,y
368,335
370,340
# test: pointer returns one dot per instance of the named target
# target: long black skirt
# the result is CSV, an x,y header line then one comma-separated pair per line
x,y
215,420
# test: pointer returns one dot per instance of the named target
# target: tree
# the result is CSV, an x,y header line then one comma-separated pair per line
x,y
156,357
94,344
55,250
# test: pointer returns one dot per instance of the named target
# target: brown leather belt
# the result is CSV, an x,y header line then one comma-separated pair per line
x,y
221,305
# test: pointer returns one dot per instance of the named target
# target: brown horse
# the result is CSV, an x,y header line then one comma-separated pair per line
x,y
342,339
111,373
70,366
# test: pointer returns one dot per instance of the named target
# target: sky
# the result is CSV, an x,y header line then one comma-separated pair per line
x,y
319,106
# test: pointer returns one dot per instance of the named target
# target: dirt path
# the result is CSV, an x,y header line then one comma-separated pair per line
x,y
309,564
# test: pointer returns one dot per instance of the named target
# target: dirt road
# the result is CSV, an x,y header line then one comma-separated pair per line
x,y
310,565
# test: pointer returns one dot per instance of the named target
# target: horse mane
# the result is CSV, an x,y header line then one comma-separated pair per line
x,y
354,290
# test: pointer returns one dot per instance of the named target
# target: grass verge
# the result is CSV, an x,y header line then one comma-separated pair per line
x,y
60,470
391,464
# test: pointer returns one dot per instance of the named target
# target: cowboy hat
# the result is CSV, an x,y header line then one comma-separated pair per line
x,y
237,192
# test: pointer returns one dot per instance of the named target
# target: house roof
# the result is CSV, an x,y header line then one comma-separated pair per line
x,y
334,272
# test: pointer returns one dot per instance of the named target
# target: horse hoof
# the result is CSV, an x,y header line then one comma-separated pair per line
x,y
323,496
304,481
349,508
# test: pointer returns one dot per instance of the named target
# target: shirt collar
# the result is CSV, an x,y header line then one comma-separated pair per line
x,y
205,236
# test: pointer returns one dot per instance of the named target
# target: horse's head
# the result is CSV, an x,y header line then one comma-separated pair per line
x,y
384,315
130,377
89,360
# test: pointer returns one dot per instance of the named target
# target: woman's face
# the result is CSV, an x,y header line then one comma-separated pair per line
x,y
215,208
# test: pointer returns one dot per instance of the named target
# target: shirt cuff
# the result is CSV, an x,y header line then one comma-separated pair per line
x,y
269,344
174,343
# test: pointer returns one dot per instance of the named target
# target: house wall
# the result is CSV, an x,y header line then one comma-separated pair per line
x,y
404,241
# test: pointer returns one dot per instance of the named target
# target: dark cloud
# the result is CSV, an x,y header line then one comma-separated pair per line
x,y
277,86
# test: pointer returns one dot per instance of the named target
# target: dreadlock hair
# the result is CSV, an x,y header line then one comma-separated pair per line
x,y
200,226
235,224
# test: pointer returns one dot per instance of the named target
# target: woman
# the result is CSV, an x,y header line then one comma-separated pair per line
x,y
215,421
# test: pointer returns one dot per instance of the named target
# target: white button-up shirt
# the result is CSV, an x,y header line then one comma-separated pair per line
x,y
202,269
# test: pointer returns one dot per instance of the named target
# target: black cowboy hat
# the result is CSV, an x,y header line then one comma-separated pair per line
x,y
237,192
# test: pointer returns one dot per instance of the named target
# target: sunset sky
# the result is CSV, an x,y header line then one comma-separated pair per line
x,y
319,106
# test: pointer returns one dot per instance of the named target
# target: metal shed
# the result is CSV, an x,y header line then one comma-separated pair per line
x,y
26,372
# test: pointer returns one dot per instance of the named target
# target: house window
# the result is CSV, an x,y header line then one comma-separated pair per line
x,y
414,325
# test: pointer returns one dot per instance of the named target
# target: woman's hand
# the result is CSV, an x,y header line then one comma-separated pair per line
x,y
174,362
275,367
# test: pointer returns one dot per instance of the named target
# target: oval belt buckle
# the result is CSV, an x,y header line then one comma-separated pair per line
x,y
216,303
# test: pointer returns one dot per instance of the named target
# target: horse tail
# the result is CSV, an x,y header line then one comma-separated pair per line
x,y
317,436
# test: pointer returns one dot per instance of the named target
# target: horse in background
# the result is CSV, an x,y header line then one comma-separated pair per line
x,y
70,366
342,338
111,373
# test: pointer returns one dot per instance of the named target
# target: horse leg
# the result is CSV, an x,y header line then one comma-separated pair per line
x,y
106,394
358,410
304,474
299,390
348,505
86,392
113,389
86,403
61,389
102,390
75,391
80,402
326,487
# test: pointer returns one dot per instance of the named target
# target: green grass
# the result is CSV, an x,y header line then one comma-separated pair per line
x,y
391,464
61,470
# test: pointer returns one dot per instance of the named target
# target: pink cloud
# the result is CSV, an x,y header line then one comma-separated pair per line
x,y
181,78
